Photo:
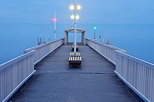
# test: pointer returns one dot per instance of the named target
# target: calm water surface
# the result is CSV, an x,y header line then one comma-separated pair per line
x,y
136,39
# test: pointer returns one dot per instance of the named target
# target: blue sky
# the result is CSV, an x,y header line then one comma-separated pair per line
x,y
93,11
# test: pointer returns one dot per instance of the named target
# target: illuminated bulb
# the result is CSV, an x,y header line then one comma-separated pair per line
x,y
54,19
72,17
95,27
72,7
78,7
77,17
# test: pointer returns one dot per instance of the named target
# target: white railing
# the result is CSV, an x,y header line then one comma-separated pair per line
x,y
43,50
137,74
105,50
14,73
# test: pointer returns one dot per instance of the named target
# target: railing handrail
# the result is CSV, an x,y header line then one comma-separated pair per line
x,y
110,46
134,72
123,53
21,68
16,59
43,45
137,60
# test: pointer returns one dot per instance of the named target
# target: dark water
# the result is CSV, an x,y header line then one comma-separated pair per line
x,y
136,39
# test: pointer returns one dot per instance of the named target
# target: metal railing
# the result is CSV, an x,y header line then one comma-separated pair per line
x,y
14,73
105,50
137,74
43,50
103,41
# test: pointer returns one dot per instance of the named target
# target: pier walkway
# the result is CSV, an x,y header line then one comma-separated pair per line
x,y
54,81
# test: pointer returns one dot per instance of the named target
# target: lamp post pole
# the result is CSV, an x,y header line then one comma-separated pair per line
x,y
99,38
75,7
95,32
55,22
94,35
75,24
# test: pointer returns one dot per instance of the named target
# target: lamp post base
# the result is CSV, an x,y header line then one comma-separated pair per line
x,y
77,48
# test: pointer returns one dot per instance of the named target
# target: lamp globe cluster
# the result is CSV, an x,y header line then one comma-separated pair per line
x,y
75,8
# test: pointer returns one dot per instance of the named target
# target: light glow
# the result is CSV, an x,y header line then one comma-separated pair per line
x,y
95,27
78,7
72,7
54,19
77,17
72,17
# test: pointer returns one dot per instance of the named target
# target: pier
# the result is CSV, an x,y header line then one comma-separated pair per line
x,y
55,81
107,74
57,70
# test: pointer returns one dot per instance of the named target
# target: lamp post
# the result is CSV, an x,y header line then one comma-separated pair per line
x,y
100,38
55,25
75,17
95,32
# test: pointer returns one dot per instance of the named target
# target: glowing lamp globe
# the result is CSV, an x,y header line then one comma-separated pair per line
x,y
77,17
72,17
95,27
54,19
72,7
78,7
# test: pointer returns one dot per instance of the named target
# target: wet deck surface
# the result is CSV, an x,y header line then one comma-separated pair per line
x,y
54,81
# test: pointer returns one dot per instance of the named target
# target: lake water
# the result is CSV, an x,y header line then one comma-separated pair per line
x,y
136,39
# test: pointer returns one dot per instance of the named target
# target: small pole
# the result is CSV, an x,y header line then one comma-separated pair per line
x,y
37,41
95,32
55,23
44,40
75,23
100,38
40,41
94,35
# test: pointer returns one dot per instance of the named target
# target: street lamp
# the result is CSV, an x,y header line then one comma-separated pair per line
x,y
55,23
75,7
72,7
77,17
72,17
95,32
78,7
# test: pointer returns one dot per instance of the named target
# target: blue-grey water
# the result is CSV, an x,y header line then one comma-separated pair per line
x,y
136,39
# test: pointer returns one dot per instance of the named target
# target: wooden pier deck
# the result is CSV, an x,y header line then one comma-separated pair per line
x,y
54,81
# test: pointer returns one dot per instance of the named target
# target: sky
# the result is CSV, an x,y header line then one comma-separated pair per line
x,y
93,11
